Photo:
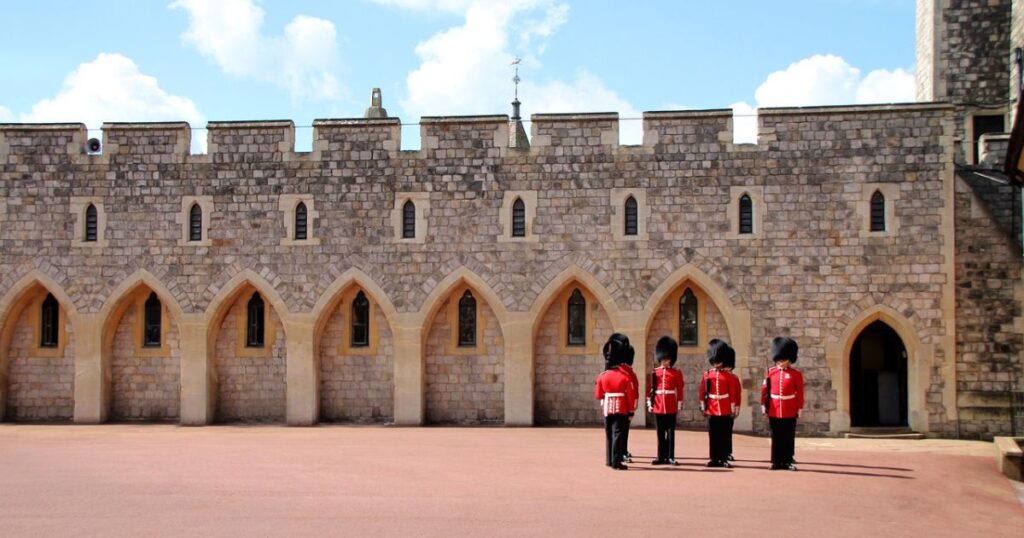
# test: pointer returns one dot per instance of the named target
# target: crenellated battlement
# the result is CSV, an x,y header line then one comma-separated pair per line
x,y
576,134
167,141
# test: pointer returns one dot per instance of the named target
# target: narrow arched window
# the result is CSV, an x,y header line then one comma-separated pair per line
x,y
360,321
301,221
746,215
518,218
409,220
152,323
254,322
49,322
91,223
195,223
631,217
688,319
467,320
877,212
577,319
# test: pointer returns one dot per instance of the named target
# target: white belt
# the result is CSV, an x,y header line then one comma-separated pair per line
x,y
781,397
607,394
718,396
664,392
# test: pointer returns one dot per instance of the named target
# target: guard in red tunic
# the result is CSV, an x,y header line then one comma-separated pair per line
x,y
782,399
627,367
618,398
720,398
664,398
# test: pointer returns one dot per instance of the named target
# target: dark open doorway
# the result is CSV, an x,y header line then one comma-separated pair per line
x,y
878,378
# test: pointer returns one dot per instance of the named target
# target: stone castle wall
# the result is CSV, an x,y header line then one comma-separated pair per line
x,y
41,388
144,386
356,388
564,377
250,386
465,386
809,270
989,292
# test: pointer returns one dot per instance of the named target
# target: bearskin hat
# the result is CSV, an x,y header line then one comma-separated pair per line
x,y
720,352
666,348
784,347
616,349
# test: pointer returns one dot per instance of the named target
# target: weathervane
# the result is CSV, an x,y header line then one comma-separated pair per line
x,y
516,78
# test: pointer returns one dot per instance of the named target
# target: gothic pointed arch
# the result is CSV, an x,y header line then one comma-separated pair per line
x,y
30,289
120,297
462,275
329,299
573,274
463,374
251,380
920,357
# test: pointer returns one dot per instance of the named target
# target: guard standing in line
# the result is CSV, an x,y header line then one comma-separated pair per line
x,y
719,396
615,391
782,399
627,367
664,397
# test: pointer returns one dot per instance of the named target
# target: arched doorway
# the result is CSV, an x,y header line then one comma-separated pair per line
x,y
878,378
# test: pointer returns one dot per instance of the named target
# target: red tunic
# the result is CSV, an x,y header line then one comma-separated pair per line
x,y
666,391
615,390
786,387
725,395
628,370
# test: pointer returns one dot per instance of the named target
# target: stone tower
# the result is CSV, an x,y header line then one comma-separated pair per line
x,y
964,57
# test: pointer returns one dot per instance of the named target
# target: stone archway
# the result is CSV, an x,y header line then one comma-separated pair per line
x,y
710,323
36,379
251,381
565,369
919,357
355,376
464,379
717,317
878,378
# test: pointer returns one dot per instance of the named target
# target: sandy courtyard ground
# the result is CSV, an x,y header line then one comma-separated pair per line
x,y
161,480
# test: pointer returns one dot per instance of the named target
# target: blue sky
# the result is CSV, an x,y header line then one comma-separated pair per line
x,y
200,61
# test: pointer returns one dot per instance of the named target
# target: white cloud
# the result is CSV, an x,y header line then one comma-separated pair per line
x,y
821,80
111,88
830,80
587,93
466,69
882,86
5,114
302,60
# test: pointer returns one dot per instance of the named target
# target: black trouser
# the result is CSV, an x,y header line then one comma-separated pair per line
x,y
719,437
615,428
728,438
666,435
783,440
625,436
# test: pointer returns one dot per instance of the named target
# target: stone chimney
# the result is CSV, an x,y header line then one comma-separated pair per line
x,y
376,110
516,133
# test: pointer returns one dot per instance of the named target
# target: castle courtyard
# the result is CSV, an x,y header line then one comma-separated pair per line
x,y
164,480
